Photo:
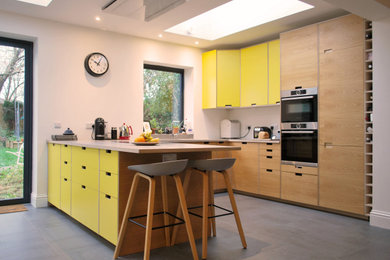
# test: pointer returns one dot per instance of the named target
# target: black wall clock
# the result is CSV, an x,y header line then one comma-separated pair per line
x,y
96,64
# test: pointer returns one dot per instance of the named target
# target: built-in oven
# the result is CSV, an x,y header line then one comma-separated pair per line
x,y
300,146
299,106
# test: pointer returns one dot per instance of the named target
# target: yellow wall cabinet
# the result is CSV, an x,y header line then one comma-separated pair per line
x,y
260,74
221,78
54,174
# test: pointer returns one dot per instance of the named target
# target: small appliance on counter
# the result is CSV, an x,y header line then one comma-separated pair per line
x,y
68,135
262,132
125,132
230,129
99,128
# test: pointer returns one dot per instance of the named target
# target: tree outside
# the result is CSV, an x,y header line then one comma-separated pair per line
x,y
12,73
162,99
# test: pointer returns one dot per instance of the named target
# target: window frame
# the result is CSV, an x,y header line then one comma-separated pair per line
x,y
175,70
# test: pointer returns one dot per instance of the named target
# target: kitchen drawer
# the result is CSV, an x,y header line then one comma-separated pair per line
x,y
66,152
86,176
300,187
270,151
82,156
108,217
65,168
85,204
109,183
299,169
270,182
65,195
109,161
270,162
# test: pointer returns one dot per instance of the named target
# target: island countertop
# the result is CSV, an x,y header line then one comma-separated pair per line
x,y
162,147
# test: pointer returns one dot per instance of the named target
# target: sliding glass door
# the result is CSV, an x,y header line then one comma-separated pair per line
x,y
15,121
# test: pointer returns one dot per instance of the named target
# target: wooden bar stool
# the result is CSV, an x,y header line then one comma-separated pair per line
x,y
206,168
149,172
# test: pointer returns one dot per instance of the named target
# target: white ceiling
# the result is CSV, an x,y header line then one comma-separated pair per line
x,y
83,12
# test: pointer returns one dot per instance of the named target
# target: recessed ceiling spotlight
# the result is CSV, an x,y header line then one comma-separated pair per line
x,y
196,42
97,18
236,16
160,35
37,2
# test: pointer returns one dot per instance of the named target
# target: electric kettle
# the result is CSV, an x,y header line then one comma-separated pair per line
x,y
125,132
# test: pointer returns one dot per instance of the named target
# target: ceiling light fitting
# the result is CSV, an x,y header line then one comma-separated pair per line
x,y
44,3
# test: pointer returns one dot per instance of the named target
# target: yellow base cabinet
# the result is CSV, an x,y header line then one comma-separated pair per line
x,y
54,174
108,217
300,187
66,190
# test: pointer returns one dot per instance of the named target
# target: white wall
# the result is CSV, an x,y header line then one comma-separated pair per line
x,y
65,93
380,215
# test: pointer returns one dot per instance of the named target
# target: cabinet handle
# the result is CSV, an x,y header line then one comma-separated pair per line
x,y
269,170
65,179
83,186
298,174
108,197
65,162
328,51
269,143
84,167
108,151
228,105
253,104
269,157
298,87
66,145
108,173
244,143
298,167
269,150
221,142
206,142
84,148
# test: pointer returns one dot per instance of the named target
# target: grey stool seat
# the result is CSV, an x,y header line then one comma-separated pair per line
x,y
218,165
161,168
150,172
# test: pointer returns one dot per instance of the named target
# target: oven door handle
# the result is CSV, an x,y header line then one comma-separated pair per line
x,y
296,98
297,132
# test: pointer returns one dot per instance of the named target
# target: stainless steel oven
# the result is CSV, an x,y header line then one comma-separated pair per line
x,y
299,106
300,147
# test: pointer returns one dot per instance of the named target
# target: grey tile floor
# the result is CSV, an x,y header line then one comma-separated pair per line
x,y
273,231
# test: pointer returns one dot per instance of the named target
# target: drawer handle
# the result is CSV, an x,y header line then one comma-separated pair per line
x,y
269,170
244,143
253,104
65,162
206,142
298,174
84,167
108,173
66,145
298,87
298,167
221,142
228,105
65,179
83,186
108,197
84,148
269,150
328,51
269,157
108,151
269,143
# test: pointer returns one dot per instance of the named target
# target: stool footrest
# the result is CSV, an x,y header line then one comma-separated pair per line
x,y
131,219
229,212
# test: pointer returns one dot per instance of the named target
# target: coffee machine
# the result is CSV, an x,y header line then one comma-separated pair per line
x,y
99,129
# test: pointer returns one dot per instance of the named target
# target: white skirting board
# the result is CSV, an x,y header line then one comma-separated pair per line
x,y
380,219
39,200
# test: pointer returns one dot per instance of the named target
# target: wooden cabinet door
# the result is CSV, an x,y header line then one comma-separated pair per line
x,y
341,176
228,78
340,33
209,79
254,75
274,72
269,182
341,107
299,58
246,168
54,174
300,187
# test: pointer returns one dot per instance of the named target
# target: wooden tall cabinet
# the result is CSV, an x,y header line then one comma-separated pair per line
x,y
299,62
341,111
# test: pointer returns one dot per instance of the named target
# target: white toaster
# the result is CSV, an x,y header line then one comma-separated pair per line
x,y
230,129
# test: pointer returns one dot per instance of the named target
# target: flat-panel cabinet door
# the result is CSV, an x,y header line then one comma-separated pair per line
x,y
270,182
341,107
340,33
254,75
299,58
228,78
65,195
246,168
341,176
54,174
274,72
108,217
209,79
300,187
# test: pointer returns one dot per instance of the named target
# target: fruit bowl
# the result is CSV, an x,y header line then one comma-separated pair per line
x,y
145,143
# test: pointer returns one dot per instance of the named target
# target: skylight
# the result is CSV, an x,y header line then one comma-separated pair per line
x,y
37,2
236,16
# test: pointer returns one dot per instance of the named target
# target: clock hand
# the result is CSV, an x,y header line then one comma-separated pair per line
x,y
99,61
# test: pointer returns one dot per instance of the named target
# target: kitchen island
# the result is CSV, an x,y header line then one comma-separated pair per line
x,y
90,182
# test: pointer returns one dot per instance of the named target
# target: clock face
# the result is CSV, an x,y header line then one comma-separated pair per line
x,y
96,64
